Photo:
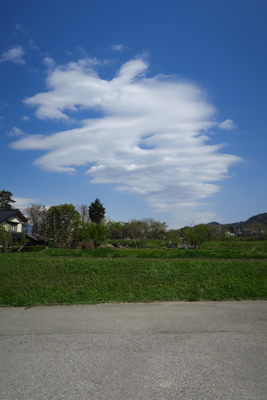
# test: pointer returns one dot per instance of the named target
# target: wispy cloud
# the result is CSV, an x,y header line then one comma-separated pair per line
x,y
33,45
228,124
117,47
25,118
19,29
150,138
23,201
14,55
15,132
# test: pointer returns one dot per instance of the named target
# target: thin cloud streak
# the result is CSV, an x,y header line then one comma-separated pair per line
x,y
151,139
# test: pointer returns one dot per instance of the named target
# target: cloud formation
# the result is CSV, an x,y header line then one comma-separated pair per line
x,y
14,55
117,47
149,137
48,62
23,201
15,132
228,124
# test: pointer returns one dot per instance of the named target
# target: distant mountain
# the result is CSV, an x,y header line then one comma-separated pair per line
x,y
260,218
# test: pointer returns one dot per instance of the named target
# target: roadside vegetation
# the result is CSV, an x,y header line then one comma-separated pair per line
x,y
29,282
82,258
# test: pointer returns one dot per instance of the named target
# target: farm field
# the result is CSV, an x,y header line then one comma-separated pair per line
x,y
55,276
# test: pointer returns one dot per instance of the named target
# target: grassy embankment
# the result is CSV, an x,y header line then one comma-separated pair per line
x,y
31,279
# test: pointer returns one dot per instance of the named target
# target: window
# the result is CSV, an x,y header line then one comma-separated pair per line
x,y
12,227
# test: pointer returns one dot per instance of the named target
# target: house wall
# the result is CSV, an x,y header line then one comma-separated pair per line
x,y
14,219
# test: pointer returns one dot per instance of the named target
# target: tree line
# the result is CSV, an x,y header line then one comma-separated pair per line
x,y
67,226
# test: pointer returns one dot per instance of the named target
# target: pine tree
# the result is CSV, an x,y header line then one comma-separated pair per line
x,y
96,211
6,200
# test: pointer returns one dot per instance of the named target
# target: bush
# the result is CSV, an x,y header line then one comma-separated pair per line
x,y
33,249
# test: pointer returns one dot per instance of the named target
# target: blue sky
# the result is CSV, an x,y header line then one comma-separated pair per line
x,y
156,107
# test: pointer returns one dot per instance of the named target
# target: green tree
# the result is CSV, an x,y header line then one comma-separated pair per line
x,y
96,211
115,229
6,200
6,239
134,229
92,232
173,236
98,233
19,244
259,230
62,225
197,235
154,229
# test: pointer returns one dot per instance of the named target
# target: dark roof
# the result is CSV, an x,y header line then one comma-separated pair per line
x,y
5,214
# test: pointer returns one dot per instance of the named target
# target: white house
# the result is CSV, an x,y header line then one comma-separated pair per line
x,y
12,220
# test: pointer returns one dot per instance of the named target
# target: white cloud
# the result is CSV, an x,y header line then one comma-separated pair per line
x,y
150,138
228,124
15,132
23,201
14,55
25,118
48,62
117,47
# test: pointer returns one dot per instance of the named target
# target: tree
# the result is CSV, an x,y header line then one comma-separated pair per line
x,y
153,229
259,230
134,229
115,229
22,242
62,223
98,233
92,232
6,239
173,236
6,200
83,210
196,235
35,216
96,211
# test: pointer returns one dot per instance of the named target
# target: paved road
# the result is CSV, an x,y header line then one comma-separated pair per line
x,y
177,350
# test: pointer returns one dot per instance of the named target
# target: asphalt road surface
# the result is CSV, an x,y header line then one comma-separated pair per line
x,y
176,350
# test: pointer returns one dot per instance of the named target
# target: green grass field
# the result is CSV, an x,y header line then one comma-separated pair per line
x,y
29,281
